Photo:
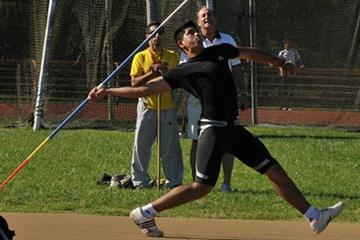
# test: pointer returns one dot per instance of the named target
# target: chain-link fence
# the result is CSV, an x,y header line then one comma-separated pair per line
x,y
89,37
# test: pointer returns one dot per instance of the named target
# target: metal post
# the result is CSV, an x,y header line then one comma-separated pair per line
x,y
109,57
152,14
152,10
39,106
159,144
210,4
253,73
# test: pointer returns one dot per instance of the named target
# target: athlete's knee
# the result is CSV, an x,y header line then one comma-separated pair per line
x,y
201,189
277,174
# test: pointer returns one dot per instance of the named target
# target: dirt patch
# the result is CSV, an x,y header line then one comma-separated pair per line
x,y
84,227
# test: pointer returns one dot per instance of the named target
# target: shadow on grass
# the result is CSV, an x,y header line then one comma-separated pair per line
x,y
316,194
309,137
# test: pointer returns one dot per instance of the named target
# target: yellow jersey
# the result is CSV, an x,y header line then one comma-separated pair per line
x,y
141,65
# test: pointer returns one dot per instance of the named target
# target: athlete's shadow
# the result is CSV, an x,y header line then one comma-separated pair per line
x,y
299,136
316,194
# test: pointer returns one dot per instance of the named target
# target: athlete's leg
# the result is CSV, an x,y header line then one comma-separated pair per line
x,y
207,172
251,151
256,155
286,188
180,195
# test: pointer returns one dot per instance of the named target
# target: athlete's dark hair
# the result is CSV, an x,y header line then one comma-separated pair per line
x,y
179,32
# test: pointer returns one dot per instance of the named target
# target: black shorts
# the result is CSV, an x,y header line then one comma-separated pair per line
x,y
216,140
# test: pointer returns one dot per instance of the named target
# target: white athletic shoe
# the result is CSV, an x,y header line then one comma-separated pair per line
x,y
147,225
326,216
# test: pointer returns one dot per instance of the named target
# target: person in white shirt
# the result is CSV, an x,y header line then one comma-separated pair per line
x,y
207,21
290,55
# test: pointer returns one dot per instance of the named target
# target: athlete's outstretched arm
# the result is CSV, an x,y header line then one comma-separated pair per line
x,y
157,85
259,56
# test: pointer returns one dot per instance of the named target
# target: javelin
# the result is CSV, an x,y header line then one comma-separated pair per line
x,y
82,104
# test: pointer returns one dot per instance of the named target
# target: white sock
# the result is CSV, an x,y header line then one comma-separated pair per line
x,y
149,211
312,213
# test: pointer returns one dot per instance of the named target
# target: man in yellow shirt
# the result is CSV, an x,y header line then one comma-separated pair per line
x,y
147,64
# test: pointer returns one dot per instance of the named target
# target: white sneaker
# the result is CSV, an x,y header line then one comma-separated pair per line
x,y
147,225
326,216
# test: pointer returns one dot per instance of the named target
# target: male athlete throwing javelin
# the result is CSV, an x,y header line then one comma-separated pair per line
x,y
207,76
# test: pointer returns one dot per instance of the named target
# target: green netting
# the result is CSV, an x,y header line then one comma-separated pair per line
x,y
89,36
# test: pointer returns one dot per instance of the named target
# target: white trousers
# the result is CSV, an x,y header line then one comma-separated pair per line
x,y
145,135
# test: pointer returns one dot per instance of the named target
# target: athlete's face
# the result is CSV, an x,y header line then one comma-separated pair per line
x,y
206,18
191,39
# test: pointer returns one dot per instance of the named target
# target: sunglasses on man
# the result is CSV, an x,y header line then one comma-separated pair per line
x,y
161,31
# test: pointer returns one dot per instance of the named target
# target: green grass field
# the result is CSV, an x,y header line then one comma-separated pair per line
x,y
62,176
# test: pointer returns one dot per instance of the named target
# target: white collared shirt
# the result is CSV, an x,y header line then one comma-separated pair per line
x,y
219,39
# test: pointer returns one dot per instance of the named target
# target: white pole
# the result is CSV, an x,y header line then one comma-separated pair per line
x,y
210,4
152,14
253,73
39,107
152,11
109,56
